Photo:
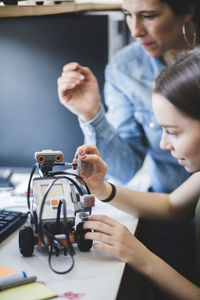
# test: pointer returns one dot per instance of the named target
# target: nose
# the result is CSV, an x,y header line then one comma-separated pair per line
x,y
164,143
136,27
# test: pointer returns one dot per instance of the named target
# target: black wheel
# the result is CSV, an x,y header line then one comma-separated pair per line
x,y
83,244
26,240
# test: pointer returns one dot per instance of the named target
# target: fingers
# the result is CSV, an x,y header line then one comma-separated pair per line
x,y
104,248
98,227
86,149
71,66
83,150
93,167
87,153
76,68
103,219
93,170
102,232
70,75
99,237
96,160
69,80
110,235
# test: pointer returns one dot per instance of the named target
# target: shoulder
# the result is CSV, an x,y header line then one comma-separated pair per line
x,y
130,55
133,51
196,179
133,61
187,194
193,184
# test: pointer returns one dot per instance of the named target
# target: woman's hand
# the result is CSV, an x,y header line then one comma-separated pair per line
x,y
115,239
93,170
78,91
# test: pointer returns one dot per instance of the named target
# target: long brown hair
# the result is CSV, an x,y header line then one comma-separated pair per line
x,y
179,83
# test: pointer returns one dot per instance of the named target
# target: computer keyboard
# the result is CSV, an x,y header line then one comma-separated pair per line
x,y
10,221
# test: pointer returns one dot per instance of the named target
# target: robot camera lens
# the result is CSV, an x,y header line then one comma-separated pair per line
x,y
58,157
41,159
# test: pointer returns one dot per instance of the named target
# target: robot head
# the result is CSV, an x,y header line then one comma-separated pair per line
x,y
46,159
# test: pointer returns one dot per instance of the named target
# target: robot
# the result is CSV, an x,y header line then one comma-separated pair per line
x,y
57,204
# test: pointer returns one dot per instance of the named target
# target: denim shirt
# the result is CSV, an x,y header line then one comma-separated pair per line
x,y
128,132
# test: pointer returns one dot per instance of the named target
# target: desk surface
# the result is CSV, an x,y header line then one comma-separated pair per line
x,y
11,11
94,276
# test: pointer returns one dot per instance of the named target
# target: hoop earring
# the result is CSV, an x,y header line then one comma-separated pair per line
x,y
193,44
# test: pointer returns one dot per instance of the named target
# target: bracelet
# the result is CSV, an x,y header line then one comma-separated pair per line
x,y
112,195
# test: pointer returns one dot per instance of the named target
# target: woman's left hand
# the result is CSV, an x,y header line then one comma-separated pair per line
x,y
115,239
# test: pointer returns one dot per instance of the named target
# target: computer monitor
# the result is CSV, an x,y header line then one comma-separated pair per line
x,y
33,51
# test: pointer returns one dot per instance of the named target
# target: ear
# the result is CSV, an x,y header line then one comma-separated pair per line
x,y
191,10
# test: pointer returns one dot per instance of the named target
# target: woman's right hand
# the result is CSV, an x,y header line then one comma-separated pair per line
x,y
93,170
78,91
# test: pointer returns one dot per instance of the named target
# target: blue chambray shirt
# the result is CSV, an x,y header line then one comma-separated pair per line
x,y
129,132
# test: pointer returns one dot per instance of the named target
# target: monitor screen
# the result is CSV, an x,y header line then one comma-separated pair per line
x,y
33,51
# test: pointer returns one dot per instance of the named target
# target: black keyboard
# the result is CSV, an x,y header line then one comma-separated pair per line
x,y
10,221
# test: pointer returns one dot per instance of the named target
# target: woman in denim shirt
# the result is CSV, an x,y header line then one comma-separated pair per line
x,y
176,105
129,133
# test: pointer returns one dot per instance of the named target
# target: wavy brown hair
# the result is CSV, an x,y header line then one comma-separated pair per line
x,y
180,7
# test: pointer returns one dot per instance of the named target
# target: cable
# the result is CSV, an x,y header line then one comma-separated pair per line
x,y
75,175
52,241
70,179
51,267
42,207
29,185
43,232
66,228
58,215
38,219
69,243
